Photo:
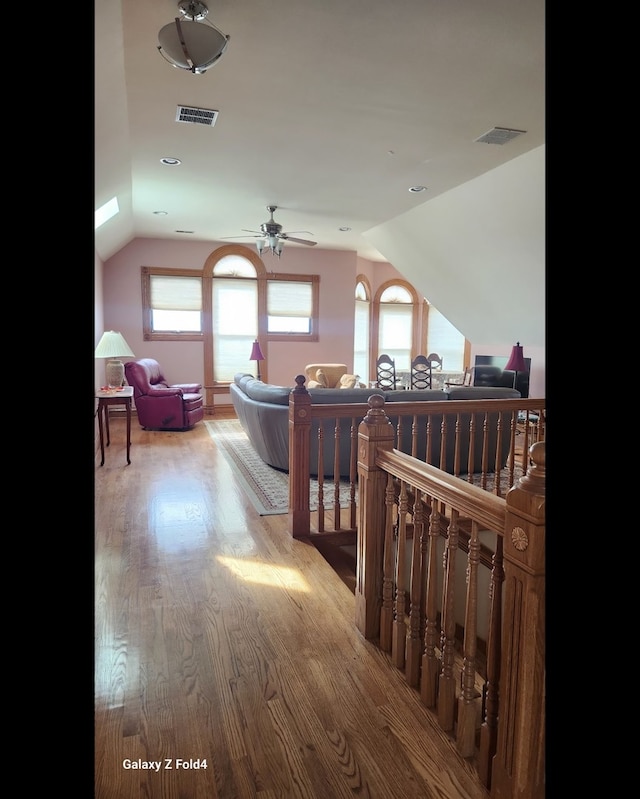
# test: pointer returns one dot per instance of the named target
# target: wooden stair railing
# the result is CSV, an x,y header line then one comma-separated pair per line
x,y
494,713
521,420
405,591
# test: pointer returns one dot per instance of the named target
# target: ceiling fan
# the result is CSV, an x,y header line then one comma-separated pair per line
x,y
271,236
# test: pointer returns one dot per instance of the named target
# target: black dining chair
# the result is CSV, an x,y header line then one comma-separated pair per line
x,y
386,372
421,372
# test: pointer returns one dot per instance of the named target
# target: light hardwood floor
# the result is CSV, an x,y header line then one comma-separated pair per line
x,y
227,652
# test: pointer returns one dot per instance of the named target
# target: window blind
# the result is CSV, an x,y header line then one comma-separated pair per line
x,y
235,326
396,329
361,340
446,340
169,293
289,298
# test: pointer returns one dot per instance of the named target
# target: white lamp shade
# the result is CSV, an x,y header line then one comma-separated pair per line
x,y
204,45
113,345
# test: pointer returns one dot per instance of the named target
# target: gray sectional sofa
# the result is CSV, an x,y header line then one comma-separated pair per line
x,y
263,412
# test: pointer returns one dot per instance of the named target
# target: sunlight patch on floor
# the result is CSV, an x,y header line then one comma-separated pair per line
x,y
255,571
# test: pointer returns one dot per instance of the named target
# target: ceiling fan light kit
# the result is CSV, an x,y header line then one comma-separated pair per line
x,y
271,237
192,43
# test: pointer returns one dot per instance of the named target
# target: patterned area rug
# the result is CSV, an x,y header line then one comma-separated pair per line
x,y
267,488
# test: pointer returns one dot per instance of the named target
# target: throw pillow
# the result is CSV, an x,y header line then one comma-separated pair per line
x,y
321,378
348,381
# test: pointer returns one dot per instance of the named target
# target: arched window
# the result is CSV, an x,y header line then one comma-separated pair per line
x,y
242,302
396,323
234,316
361,329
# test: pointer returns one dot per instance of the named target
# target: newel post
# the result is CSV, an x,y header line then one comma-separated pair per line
x,y
374,432
299,456
518,766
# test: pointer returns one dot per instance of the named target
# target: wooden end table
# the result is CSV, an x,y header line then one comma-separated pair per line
x,y
121,396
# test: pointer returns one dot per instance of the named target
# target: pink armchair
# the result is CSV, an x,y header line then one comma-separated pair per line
x,y
160,405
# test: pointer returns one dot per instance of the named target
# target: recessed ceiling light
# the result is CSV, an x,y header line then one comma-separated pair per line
x,y
344,229
170,161
160,213
417,189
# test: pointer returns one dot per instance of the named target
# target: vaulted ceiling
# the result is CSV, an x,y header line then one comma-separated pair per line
x,y
330,110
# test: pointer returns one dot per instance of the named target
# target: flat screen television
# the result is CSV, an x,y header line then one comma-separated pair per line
x,y
489,371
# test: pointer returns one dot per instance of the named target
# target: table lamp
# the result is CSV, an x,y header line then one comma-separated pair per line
x,y
113,346
256,355
516,361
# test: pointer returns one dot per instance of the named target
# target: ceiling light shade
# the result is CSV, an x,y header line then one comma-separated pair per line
x,y
190,43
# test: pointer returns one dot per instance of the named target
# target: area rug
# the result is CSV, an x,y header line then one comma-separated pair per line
x,y
266,487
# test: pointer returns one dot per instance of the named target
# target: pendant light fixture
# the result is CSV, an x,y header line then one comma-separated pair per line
x,y
191,42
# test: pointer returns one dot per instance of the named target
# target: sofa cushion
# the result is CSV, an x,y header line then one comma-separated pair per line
x,y
332,373
328,396
348,381
321,378
262,392
480,392
415,395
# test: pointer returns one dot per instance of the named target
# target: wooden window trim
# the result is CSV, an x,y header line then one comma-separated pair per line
x,y
417,306
148,334
212,387
313,334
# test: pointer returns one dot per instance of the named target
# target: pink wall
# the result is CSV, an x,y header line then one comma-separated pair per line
x,y
98,317
118,301
183,361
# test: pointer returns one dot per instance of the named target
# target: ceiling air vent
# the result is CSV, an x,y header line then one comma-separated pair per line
x,y
499,135
197,116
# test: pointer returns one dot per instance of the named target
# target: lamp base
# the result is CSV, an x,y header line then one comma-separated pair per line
x,y
114,371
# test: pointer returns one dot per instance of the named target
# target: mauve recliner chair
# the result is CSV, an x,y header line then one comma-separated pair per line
x,y
160,405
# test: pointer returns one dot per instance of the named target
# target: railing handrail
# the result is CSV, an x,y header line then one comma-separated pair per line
x,y
512,734
511,750
472,501
302,412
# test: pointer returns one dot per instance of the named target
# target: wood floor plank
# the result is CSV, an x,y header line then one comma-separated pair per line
x,y
220,639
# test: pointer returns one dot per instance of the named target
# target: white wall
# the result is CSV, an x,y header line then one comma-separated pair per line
x,y
477,253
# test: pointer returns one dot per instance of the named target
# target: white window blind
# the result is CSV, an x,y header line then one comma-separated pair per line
x,y
289,306
446,340
176,303
361,340
169,293
396,333
235,326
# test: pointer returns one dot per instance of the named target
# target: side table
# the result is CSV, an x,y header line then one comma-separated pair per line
x,y
121,396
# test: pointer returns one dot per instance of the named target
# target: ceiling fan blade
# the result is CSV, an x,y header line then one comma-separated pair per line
x,y
226,238
298,241
252,231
